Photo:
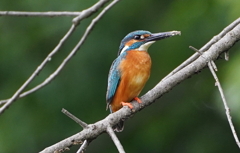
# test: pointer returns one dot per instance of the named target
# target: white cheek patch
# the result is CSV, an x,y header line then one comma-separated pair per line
x,y
145,46
124,48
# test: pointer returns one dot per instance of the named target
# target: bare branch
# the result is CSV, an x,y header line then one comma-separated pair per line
x,y
196,50
77,120
164,86
224,102
89,133
91,10
205,47
226,56
82,124
115,139
83,15
36,72
212,66
109,130
83,147
38,14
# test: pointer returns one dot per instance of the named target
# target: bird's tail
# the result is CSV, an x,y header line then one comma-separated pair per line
x,y
119,126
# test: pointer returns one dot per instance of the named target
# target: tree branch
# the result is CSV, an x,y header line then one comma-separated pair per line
x,y
76,21
211,67
205,47
81,15
83,147
115,139
38,14
223,43
77,120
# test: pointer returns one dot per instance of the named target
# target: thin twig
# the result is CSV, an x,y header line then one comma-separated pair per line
x,y
196,50
18,94
38,14
81,15
115,139
83,147
37,71
214,66
225,103
226,55
201,54
82,124
88,12
77,120
220,35
73,52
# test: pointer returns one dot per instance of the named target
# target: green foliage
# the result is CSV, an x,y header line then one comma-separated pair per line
x,y
188,119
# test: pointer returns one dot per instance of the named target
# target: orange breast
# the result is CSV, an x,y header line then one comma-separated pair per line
x,y
135,71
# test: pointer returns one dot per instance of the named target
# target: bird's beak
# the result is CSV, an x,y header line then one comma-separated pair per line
x,y
162,35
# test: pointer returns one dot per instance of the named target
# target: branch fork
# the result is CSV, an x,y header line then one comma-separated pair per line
x,y
213,68
85,126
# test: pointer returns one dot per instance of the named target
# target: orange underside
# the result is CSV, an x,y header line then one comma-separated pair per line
x,y
135,71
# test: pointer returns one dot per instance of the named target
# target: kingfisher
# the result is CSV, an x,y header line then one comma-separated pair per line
x,y
130,70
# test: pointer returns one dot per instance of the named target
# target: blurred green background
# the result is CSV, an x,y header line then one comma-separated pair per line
x,y
189,119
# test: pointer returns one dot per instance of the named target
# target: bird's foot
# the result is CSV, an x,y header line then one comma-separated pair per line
x,y
127,104
138,100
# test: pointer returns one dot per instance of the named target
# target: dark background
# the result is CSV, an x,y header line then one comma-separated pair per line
x,y
189,119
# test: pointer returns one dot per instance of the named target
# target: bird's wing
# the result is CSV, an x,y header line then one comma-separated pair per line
x,y
114,78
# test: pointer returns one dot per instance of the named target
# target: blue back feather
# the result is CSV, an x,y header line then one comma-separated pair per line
x,y
114,77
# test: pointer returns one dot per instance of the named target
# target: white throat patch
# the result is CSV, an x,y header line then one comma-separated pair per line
x,y
124,48
145,46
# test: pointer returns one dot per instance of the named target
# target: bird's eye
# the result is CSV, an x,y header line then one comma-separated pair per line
x,y
137,37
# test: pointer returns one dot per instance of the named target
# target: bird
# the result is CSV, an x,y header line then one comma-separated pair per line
x,y
130,70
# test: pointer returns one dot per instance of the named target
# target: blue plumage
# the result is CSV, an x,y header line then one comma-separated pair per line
x,y
135,45
114,78
131,36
